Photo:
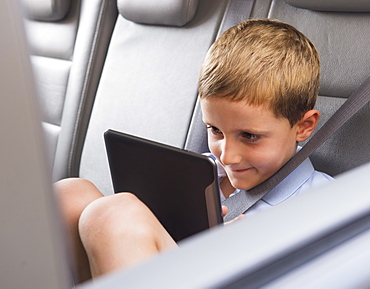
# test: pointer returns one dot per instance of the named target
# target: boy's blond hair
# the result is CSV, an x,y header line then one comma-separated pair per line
x,y
265,62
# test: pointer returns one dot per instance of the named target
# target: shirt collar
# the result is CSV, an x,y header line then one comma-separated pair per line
x,y
290,184
286,188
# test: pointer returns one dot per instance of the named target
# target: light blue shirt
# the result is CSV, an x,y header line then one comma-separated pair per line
x,y
301,180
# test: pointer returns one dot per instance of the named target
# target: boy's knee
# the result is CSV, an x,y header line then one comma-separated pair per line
x,y
109,210
76,188
111,217
73,185
74,194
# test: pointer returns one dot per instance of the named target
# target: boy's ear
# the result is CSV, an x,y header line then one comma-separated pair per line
x,y
307,124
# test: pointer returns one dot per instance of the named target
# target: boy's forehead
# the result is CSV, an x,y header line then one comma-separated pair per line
x,y
223,103
238,114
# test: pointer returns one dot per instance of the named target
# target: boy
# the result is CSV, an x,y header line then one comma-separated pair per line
x,y
258,86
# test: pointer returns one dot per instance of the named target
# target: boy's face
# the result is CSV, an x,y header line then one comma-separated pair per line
x,y
250,142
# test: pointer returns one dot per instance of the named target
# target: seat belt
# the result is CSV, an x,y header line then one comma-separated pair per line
x,y
241,202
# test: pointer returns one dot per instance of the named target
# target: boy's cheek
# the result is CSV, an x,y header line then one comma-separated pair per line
x,y
214,149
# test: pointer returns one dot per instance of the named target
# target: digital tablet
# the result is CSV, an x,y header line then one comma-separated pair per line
x,y
178,186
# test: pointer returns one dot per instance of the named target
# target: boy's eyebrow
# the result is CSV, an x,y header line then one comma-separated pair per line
x,y
207,123
252,130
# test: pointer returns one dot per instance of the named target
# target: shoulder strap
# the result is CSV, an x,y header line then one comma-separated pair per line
x,y
241,202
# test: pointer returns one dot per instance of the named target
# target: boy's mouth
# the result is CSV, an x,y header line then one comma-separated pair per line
x,y
240,170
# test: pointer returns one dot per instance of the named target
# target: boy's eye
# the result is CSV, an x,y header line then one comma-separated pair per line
x,y
214,130
250,136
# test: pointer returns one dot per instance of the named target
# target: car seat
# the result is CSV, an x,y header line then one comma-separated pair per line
x,y
149,82
68,42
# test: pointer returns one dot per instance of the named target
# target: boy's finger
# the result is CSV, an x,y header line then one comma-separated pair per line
x,y
242,216
225,210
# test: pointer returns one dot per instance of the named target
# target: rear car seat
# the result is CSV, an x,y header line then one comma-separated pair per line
x,y
340,30
149,82
68,41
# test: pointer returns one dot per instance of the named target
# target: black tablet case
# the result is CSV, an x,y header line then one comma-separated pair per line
x,y
180,187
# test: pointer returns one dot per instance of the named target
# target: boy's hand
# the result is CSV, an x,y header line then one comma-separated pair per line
x,y
225,211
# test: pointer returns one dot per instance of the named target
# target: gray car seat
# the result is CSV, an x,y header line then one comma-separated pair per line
x,y
68,42
340,30
149,82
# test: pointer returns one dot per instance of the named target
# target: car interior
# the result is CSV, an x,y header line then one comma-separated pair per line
x,y
86,66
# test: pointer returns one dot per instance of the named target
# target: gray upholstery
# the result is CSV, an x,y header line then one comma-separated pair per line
x,y
332,5
340,39
97,19
343,42
47,10
197,137
159,12
67,58
52,45
149,85
349,147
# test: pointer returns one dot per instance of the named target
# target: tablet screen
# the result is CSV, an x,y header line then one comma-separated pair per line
x,y
180,187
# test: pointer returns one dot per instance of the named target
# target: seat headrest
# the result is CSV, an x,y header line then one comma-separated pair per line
x,y
46,10
158,12
332,5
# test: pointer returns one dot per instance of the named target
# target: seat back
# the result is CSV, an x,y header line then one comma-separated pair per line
x,y
149,83
68,41
339,31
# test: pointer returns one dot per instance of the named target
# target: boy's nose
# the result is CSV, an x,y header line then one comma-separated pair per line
x,y
230,153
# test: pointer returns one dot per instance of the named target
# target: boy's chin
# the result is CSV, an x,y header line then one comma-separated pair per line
x,y
245,185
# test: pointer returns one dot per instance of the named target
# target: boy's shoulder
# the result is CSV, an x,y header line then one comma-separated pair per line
x,y
302,179
317,179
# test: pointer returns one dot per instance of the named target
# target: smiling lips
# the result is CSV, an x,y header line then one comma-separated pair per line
x,y
240,171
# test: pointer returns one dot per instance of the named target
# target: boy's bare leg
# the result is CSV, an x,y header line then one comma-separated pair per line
x,y
118,231
74,195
